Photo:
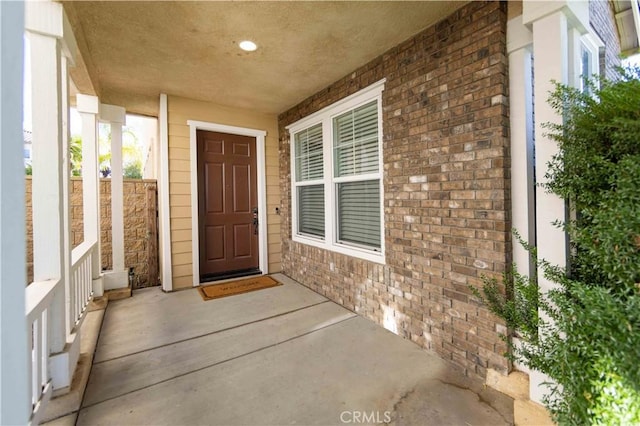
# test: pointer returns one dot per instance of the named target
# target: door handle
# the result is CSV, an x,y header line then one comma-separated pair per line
x,y
255,220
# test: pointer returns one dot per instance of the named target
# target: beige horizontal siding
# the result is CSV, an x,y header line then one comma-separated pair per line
x,y
181,247
273,228
273,200
181,223
180,235
180,177
178,154
179,142
182,270
178,166
180,111
182,282
183,258
179,188
179,130
179,211
180,200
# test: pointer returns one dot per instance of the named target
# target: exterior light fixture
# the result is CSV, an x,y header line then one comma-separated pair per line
x,y
248,46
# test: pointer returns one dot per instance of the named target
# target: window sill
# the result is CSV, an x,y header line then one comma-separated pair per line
x,y
364,254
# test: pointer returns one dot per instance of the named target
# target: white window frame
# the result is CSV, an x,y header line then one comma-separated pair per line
x,y
589,46
325,116
584,43
313,182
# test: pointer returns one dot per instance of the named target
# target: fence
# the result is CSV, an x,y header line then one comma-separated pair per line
x,y
140,224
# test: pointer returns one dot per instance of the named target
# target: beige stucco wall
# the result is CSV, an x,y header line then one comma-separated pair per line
x,y
179,111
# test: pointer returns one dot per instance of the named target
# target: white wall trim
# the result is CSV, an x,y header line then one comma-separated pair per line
x,y
260,135
371,91
164,212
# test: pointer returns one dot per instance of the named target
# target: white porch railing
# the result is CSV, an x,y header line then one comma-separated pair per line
x,y
38,300
80,290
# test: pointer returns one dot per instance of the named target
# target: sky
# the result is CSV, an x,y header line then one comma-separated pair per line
x,y
633,60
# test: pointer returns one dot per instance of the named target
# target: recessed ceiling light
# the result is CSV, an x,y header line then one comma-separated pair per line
x,y
248,46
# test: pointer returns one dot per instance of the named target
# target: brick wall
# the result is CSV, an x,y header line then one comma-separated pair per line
x,y
603,22
446,184
136,225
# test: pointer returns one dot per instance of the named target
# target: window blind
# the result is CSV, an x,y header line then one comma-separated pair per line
x,y
355,136
359,212
311,210
308,151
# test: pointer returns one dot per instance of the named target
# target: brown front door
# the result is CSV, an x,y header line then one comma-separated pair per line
x,y
227,205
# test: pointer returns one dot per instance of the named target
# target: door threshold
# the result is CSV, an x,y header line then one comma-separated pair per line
x,y
226,277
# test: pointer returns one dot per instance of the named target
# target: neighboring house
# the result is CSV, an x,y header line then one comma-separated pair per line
x,y
390,187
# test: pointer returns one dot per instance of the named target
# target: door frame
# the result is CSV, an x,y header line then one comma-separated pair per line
x,y
194,126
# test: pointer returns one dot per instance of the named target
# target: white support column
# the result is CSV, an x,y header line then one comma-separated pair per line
x,y
89,107
118,277
15,358
519,47
66,173
523,215
47,181
164,211
551,54
117,202
556,26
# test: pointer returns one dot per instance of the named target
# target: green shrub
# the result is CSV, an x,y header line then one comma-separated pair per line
x,y
75,155
132,170
585,334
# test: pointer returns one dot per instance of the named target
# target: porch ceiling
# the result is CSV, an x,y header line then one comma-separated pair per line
x,y
133,51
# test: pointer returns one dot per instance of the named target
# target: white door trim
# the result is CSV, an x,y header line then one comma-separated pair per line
x,y
194,126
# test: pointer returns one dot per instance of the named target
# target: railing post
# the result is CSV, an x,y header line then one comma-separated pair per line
x,y
15,400
89,107
117,277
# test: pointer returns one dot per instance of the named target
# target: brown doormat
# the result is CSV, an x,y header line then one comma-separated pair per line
x,y
216,291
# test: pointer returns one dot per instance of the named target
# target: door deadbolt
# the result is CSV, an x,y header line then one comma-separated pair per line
x,y
255,220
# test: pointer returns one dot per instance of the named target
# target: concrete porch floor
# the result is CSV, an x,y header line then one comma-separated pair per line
x,y
283,355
